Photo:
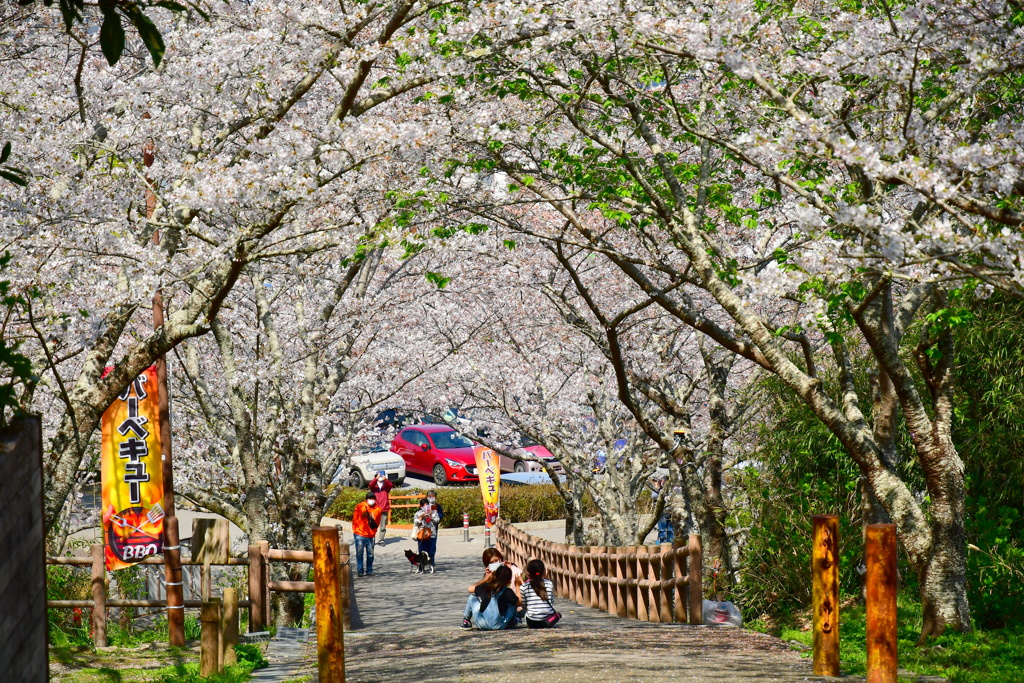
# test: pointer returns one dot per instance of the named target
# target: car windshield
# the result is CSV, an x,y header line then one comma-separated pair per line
x,y
448,441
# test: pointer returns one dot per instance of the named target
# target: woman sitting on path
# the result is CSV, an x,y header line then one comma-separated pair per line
x,y
492,604
538,595
492,560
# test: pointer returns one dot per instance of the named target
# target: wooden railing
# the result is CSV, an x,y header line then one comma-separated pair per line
x,y
650,583
260,586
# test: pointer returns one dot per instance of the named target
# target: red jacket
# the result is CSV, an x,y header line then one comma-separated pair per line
x,y
380,491
360,525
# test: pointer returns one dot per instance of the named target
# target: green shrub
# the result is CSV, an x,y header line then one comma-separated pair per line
x,y
518,504
252,655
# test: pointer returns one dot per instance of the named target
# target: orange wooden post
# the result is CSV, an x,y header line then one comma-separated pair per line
x,y
679,608
825,585
667,566
695,580
622,591
330,643
880,552
99,596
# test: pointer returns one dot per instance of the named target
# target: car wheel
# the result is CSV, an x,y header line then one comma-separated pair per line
x,y
440,476
520,466
356,480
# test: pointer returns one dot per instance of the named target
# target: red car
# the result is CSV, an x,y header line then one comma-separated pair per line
x,y
438,451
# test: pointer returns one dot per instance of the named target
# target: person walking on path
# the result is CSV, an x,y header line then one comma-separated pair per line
x,y
381,487
492,604
538,596
436,507
365,520
424,530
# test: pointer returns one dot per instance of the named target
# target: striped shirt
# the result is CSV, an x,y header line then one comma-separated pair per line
x,y
537,607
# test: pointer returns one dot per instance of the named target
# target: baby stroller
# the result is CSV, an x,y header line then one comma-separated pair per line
x,y
419,561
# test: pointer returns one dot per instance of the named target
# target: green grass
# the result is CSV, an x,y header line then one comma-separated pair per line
x,y
982,655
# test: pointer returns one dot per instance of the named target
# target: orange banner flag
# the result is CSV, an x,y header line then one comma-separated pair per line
x,y
490,477
131,471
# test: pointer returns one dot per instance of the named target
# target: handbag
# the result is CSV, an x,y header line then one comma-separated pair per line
x,y
552,618
424,534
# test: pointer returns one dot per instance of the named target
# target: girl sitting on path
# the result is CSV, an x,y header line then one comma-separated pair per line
x,y
538,595
492,603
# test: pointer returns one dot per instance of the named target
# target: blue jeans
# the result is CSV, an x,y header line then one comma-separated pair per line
x,y
491,619
429,547
364,544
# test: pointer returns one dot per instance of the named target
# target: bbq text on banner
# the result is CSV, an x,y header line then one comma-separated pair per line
x,y
490,475
132,474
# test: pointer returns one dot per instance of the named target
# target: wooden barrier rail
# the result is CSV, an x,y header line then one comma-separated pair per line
x,y
649,583
260,585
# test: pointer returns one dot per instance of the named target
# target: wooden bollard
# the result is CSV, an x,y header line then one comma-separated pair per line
x,y
632,590
621,597
99,596
696,579
330,634
229,628
679,599
601,569
880,553
641,563
667,567
257,618
344,558
209,644
825,598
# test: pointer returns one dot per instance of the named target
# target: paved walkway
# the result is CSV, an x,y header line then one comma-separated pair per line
x,y
406,629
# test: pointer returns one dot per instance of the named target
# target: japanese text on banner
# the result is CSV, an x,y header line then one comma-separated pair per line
x,y
490,478
132,474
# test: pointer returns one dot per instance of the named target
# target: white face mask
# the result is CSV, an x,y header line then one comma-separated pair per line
x,y
431,500
371,502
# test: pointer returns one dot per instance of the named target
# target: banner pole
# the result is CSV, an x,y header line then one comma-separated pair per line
x,y
172,545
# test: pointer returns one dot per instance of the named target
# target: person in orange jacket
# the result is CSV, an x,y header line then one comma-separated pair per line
x,y
365,520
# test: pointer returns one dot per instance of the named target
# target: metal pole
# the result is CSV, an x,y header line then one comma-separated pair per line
x,y
487,535
825,585
465,527
880,552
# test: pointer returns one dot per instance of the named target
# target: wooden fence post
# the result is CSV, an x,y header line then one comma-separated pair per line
x,y
667,565
654,592
229,628
632,591
330,643
620,579
641,563
257,618
209,645
695,579
679,609
880,552
265,580
825,585
344,558
99,596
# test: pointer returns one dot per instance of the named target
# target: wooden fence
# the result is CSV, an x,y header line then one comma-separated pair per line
x,y
260,586
649,583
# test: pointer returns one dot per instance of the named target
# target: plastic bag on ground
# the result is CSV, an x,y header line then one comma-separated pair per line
x,y
722,613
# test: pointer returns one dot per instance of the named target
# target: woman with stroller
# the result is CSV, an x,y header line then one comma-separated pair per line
x,y
424,530
492,604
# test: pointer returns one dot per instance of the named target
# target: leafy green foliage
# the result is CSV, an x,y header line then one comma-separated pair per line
x,y
15,368
252,655
982,655
518,504
9,173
